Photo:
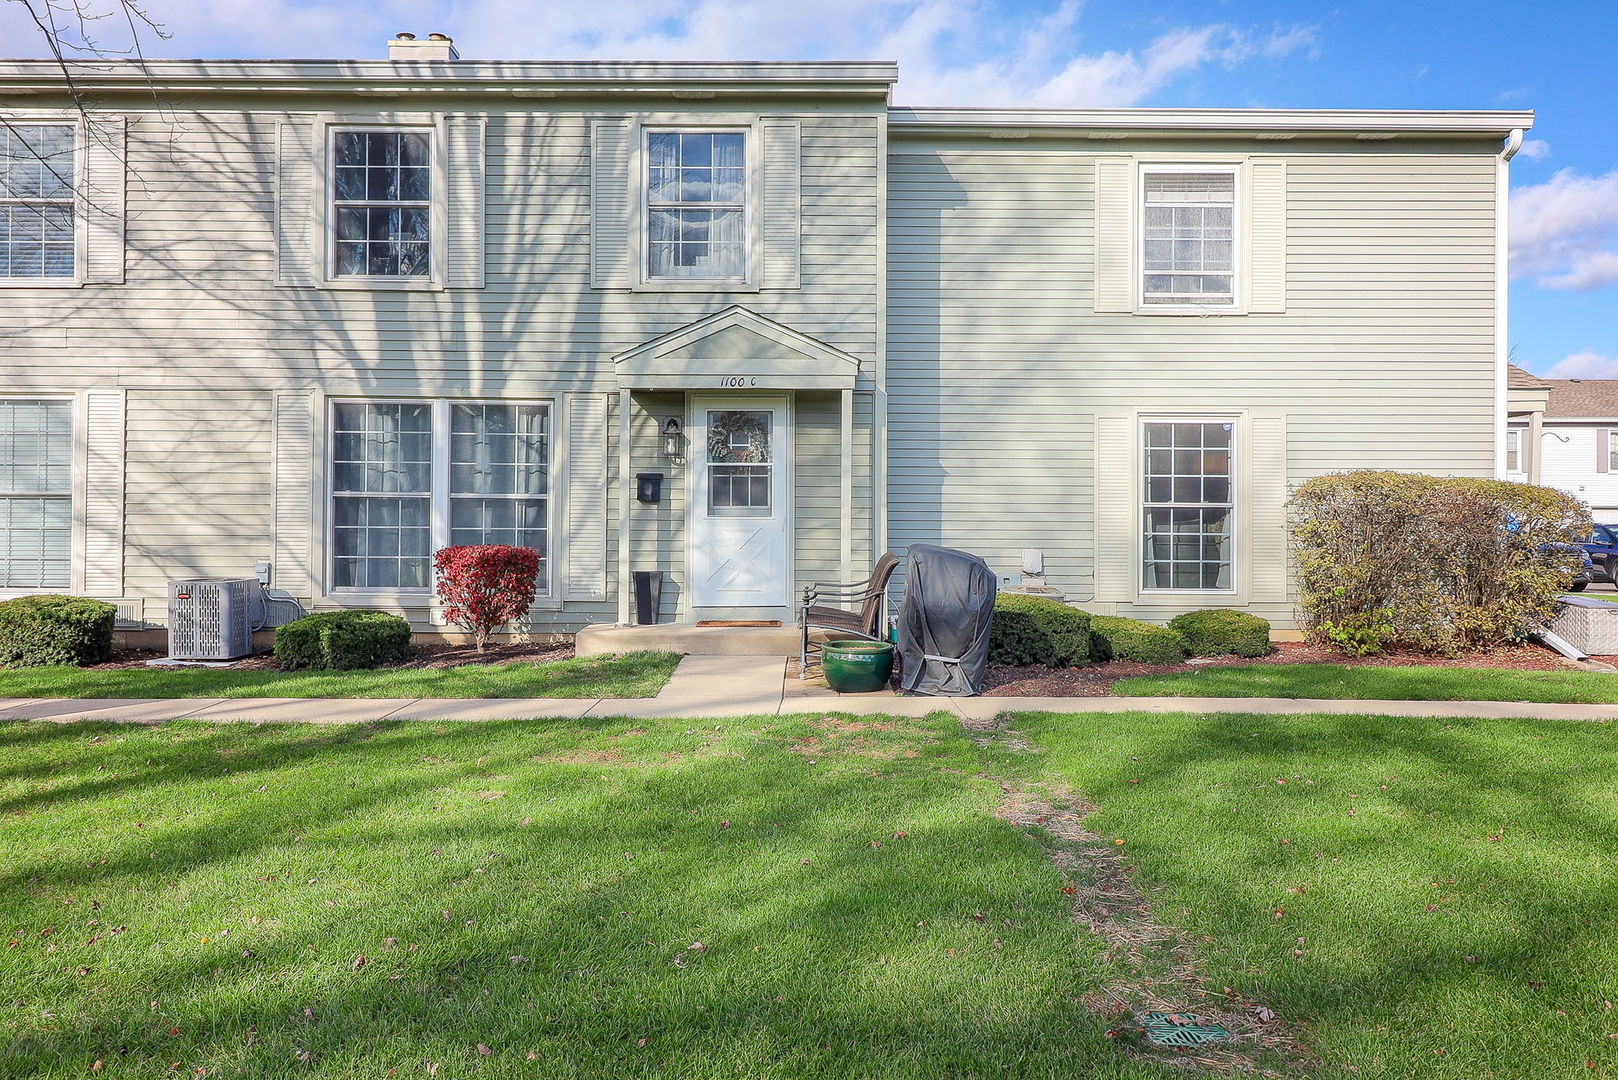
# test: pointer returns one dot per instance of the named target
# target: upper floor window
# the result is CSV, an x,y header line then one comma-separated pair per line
x,y
36,201
1188,245
381,203
696,205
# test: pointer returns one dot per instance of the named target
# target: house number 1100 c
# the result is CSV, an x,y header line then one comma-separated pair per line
x,y
738,380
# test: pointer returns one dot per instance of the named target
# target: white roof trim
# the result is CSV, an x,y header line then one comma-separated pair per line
x,y
1233,121
807,363
603,76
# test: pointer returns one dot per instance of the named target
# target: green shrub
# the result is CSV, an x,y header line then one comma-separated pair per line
x,y
1220,631
1038,630
1118,638
342,640
1442,564
39,630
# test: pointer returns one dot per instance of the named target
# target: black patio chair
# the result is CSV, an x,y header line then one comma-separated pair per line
x,y
868,622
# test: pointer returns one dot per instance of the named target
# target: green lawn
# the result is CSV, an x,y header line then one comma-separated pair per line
x,y
1455,882
203,886
1370,682
281,901
630,675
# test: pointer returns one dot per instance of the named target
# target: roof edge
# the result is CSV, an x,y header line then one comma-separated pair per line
x,y
874,77
1342,122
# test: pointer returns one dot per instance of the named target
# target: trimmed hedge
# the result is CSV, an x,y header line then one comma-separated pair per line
x,y
1038,630
1220,631
1118,638
342,640
40,630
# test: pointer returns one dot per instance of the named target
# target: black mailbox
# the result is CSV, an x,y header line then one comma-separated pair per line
x,y
649,487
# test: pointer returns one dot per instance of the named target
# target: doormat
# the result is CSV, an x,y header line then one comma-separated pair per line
x,y
740,622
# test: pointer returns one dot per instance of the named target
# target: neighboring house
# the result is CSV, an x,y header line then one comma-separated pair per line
x,y
1562,434
332,315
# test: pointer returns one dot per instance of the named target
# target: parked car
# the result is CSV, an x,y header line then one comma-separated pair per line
x,y
1585,572
1603,549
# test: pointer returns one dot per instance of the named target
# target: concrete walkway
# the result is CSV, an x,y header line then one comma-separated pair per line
x,y
718,686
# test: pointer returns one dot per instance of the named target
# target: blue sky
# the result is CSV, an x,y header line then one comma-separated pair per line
x,y
1558,59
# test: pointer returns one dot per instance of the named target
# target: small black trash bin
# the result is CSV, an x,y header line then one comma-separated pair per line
x,y
648,586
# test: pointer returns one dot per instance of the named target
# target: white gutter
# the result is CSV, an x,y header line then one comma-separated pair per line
x,y
1502,269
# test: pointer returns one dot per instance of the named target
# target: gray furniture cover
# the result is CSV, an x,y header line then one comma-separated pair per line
x,y
944,622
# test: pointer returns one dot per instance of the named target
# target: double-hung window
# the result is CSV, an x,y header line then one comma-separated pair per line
x,y
381,203
36,493
1188,513
411,477
696,205
37,168
1514,450
1188,238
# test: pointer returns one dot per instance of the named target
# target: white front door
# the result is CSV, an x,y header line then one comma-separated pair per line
x,y
740,451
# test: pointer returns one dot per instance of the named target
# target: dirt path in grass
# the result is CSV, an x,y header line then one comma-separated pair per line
x,y
1159,970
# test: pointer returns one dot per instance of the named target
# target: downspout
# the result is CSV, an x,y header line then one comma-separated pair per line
x,y
1502,190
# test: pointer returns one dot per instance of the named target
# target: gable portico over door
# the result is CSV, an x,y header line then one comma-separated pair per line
x,y
740,528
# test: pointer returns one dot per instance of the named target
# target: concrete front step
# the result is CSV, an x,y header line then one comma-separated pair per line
x,y
688,638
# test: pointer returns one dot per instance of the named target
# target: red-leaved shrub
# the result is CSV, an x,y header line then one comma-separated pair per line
x,y
485,586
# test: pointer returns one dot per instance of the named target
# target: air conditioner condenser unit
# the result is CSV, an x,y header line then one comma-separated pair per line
x,y
211,618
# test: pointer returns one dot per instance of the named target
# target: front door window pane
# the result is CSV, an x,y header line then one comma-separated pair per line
x,y
740,463
1189,508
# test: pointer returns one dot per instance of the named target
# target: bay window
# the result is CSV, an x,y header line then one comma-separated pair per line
x,y
1188,513
413,476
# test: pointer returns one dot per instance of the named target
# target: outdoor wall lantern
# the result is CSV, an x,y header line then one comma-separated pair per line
x,y
673,438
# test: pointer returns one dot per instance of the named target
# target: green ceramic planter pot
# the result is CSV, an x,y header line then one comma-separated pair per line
x,y
857,667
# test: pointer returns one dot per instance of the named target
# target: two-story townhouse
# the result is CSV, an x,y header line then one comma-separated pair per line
x,y
742,325
1561,433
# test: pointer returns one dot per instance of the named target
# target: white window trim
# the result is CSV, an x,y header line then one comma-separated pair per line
x,y
1241,219
1514,439
81,206
1241,505
547,594
753,218
75,552
438,205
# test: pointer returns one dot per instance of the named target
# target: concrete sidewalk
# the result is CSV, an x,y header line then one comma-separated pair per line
x,y
717,686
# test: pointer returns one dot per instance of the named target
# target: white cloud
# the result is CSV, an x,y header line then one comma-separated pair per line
x,y
1588,364
1564,232
1535,149
951,52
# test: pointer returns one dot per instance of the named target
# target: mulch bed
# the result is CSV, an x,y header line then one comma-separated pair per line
x,y
1097,680
420,656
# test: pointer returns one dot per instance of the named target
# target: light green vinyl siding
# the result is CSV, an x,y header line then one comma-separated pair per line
x,y
999,366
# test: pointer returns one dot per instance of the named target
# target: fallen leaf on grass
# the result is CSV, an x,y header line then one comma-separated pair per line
x,y
515,960
483,1050
696,946
360,961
